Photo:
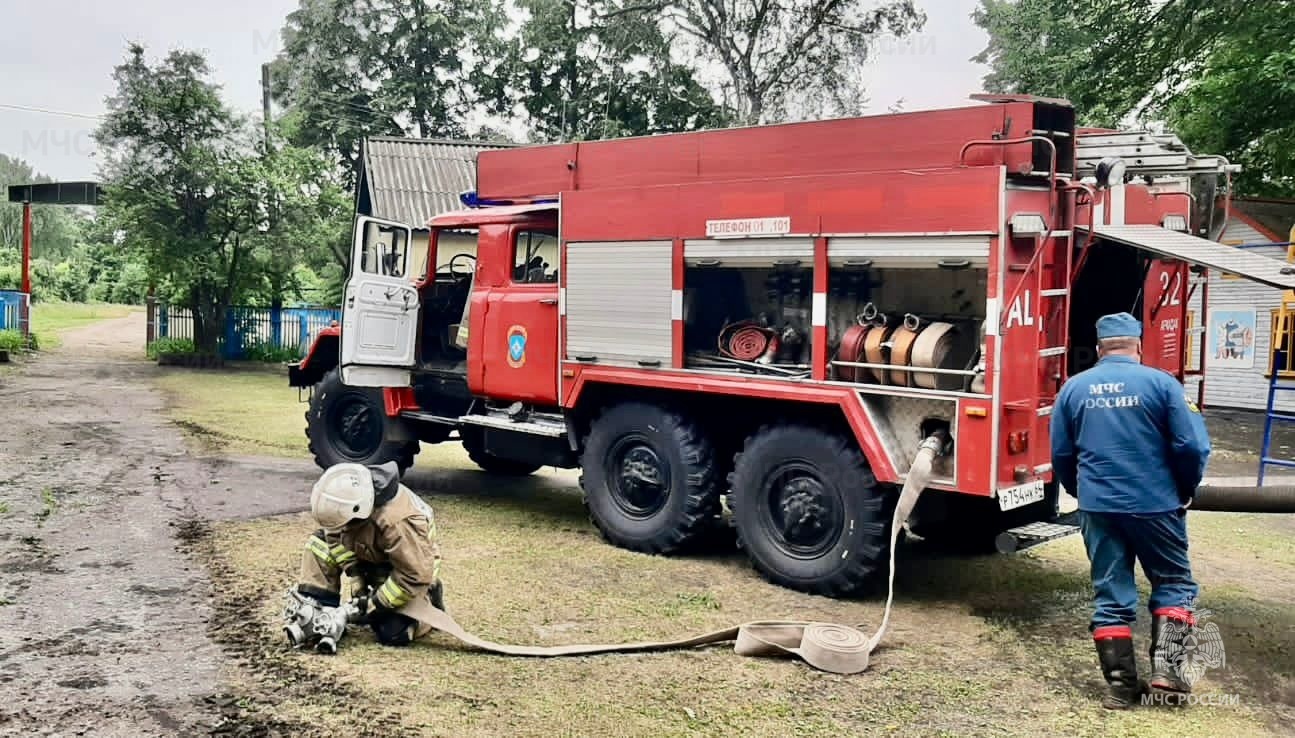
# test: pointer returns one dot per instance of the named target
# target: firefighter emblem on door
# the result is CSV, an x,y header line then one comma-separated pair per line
x,y
517,346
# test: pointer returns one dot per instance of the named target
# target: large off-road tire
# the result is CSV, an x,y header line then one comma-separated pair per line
x,y
808,511
492,464
649,478
348,425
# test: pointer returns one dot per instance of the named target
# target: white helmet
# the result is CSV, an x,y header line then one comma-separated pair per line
x,y
343,493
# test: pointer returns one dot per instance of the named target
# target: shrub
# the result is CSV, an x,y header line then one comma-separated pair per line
x,y
170,346
270,353
11,341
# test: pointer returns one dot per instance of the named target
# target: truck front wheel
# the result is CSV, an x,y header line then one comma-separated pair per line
x,y
808,510
649,478
348,425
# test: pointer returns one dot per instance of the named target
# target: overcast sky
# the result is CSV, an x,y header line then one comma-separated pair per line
x,y
58,55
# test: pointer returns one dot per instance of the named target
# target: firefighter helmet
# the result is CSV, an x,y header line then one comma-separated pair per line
x,y
343,493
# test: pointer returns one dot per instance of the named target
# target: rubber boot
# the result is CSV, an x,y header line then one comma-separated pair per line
x,y
1119,666
436,593
1170,628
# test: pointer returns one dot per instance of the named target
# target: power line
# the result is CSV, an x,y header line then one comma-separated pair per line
x,y
29,109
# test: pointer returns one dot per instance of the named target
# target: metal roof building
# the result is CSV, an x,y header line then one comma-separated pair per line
x,y
409,180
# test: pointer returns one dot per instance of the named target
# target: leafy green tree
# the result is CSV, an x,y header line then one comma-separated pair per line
x,y
54,229
306,228
586,69
1217,72
212,217
384,67
779,56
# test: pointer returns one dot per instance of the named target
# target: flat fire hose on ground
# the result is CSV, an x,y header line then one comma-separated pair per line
x,y
839,649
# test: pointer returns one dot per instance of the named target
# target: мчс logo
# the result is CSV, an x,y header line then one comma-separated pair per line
x,y
517,346
1198,650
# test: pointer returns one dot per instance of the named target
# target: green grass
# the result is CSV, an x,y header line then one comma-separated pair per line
x,y
243,410
53,317
49,505
981,646
994,645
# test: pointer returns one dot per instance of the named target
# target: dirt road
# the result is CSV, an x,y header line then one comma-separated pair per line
x,y
104,616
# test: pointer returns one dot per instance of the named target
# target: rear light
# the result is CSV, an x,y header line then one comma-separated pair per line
x,y
1018,442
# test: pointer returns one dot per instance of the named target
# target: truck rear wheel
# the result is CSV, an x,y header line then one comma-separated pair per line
x,y
808,510
649,478
348,425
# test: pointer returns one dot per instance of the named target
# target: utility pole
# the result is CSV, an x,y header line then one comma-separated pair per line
x,y
265,103
24,310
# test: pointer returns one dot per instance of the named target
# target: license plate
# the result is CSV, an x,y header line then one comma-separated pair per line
x,y
1014,497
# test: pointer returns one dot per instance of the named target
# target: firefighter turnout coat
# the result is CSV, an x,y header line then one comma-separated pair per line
x,y
394,550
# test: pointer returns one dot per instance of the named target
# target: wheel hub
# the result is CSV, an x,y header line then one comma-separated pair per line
x,y
804,515
639,479
359,432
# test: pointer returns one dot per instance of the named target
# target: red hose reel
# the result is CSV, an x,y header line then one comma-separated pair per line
x,y
748,341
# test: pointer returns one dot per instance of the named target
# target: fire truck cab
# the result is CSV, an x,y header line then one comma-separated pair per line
x,y
761,325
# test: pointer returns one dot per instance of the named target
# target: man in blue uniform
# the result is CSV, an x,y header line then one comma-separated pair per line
x,y
1132,448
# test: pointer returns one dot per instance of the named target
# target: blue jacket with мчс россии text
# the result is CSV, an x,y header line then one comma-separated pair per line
x,y
1126,440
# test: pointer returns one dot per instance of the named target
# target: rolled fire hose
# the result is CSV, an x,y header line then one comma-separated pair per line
x,y
932,350
901,353
839,649
876,348
852,350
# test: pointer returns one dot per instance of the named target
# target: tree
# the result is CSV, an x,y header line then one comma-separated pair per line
x,y
384,67
307,221
778,55
211,215
584,70
53,227
1218,72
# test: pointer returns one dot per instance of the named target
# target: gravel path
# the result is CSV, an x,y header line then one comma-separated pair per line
x,y
105,618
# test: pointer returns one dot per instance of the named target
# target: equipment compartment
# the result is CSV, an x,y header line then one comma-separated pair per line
x,y
897,304
747,306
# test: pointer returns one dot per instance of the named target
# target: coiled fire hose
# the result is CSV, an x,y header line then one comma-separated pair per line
x,y
748,341
839,649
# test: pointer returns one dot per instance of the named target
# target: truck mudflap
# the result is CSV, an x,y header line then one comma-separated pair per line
x,y
1022,537
297,376
320,358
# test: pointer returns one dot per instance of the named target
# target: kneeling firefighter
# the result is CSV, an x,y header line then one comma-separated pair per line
x,y
377,531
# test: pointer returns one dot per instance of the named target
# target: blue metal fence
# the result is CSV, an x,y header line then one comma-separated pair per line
x,y
13,306
248,327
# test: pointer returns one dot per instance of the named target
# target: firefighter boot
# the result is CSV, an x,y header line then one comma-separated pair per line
x,y
1120,667
1169,633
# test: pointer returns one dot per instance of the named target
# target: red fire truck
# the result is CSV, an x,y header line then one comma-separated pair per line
x,y
767,322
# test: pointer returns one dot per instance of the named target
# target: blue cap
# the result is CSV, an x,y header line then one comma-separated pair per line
x,y
1119,325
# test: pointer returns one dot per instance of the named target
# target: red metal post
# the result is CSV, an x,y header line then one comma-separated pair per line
x,y
26,247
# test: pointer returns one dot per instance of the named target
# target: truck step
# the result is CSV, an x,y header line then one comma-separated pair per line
x,y
1029,536
538,425
426,417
